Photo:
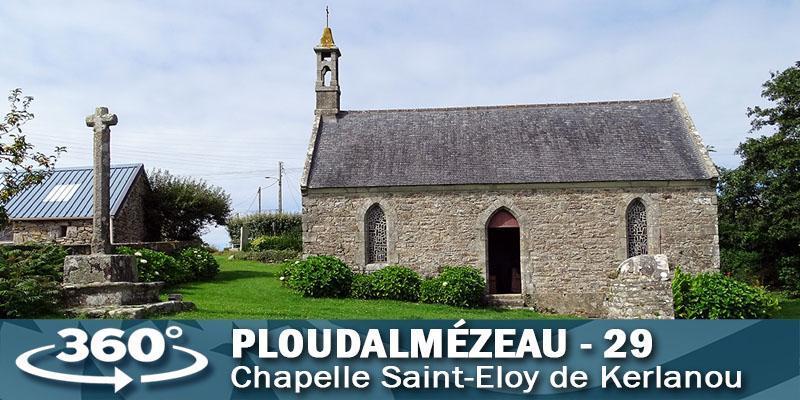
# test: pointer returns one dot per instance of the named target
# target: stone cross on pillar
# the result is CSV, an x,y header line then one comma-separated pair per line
x,y
101,121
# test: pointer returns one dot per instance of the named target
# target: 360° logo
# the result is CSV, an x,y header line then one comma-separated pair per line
x,y
106,346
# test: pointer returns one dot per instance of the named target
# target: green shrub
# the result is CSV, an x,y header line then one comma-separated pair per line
x,y
741,265
29,280
286,272
430,291
456,286
320,276
716,296
199,262
282,242
789,275
267,256
395,282
361,288
156,266
265,225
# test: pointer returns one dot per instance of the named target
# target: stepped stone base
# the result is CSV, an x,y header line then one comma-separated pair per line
x,y
105,286
136,311
100,268
111,293
506,300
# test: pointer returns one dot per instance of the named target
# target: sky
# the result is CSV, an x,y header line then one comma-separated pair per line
x,y
223,90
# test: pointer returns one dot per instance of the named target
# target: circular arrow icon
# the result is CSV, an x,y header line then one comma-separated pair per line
x,y
120,379
200,363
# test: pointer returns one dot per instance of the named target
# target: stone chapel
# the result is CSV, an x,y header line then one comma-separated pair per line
x,y
546,199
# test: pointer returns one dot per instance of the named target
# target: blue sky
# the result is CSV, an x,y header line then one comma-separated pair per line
x,y
223,90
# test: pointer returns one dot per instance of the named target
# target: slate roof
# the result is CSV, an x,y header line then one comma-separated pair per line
x,y
31,204
640,140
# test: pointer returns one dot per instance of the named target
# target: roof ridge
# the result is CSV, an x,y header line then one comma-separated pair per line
x,y
515,106
79,168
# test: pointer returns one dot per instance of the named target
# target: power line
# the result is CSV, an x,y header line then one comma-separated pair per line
x,y
251,204
291,193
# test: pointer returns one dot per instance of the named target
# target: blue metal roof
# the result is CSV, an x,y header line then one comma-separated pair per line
x,y
68,194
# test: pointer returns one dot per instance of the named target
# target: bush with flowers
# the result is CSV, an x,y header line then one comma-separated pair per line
x,y
393,282
155,266
199,261
286,272
325,276
461,286
193,263
318,276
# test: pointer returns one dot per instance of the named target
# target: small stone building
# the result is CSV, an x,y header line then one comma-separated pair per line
x,y
546,199
60,208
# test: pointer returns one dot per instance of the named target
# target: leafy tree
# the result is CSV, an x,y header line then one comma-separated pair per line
x,y
181,208
21,165
760,200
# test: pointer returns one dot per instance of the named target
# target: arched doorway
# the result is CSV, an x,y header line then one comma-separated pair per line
x,y
502,235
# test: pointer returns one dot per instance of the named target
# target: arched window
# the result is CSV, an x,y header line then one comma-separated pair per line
x,y
326,76
636,218
376,235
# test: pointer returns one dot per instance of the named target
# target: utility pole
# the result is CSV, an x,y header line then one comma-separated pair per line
x,y
280,187
259,199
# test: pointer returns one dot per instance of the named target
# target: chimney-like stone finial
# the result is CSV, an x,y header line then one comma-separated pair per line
x,y
327,85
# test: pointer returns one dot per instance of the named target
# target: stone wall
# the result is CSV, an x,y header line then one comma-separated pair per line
x,y
639,297
66,232
642,290
572,237
128,225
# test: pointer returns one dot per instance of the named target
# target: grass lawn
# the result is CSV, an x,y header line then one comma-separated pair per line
x,y
251,290
790,308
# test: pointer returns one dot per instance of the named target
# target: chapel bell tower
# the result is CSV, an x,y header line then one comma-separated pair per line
x,y
327,86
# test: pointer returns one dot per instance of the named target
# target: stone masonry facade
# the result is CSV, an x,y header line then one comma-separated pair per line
x,y
65,232
572,236
127,226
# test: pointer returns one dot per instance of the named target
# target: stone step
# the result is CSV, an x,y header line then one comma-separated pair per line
x,y
511,300
134,311
110,293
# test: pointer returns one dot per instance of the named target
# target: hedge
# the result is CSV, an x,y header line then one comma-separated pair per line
x,y
265,225
292,241
267,256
